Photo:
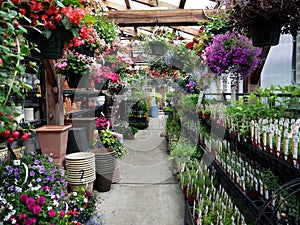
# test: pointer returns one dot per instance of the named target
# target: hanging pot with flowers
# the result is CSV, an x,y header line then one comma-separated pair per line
x,y
265,19
104,78
52,24
76,67
232,53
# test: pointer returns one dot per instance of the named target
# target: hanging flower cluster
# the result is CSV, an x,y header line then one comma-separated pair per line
x,y
233,53
102,73
74,62
54,17
88,36
161,70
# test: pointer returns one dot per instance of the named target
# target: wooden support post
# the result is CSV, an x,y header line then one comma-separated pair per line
x,y
54,94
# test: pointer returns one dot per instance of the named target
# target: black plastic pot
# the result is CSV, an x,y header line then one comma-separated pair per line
x,y
103,182
265,33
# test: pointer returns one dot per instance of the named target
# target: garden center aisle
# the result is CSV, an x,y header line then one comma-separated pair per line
x,y
147,193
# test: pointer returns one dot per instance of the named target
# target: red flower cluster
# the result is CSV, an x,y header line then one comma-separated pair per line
x,y
88,35
50,15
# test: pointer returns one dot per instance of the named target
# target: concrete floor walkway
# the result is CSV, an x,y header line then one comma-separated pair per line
x,y
147,193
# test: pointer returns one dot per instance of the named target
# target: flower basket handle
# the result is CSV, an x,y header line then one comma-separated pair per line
x,y
26,173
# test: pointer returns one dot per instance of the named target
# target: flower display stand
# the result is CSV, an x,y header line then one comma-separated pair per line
x,y
53,140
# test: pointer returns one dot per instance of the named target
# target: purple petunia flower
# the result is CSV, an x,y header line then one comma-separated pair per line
x,y
30,202
38,180
30,221
232,53
36,162
32,173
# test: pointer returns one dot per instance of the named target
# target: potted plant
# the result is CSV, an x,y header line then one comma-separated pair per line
x,y
76,67
215,24
85,201
106,29
140,108
182,57
159,42
268,18
53,24
232,53
40,190
207,113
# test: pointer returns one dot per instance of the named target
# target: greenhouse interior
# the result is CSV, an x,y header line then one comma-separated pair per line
x,y
176,112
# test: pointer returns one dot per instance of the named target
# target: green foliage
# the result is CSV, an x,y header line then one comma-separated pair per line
x,y
173,127
140,106
13,50
106,29
110,140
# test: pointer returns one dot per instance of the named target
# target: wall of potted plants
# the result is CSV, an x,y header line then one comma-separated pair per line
x,y
240,142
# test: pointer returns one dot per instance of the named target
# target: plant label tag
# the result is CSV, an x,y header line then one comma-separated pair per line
x,y
17,162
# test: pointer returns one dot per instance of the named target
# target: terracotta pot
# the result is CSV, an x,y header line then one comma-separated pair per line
x,y
53,139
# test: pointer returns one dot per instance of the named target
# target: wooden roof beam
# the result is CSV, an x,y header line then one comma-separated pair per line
x,y
152,3
181,4
187,30
174,17
115,6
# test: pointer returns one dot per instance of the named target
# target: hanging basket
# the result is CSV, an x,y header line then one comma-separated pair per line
x,y
52,48
77,80
265,33
158,48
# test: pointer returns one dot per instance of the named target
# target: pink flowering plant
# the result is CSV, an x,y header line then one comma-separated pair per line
x,y
74,63
232,53
33,190
102,123
37,206
102,74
